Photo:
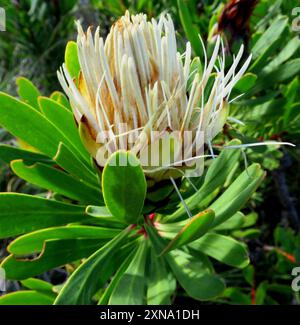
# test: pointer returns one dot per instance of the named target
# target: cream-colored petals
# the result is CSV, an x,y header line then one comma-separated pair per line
x,y
137,78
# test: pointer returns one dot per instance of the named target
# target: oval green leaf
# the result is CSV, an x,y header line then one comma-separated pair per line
x,y
57,181
34,241
124,186
28,92
71,59
21,213
28,124
54,254
238,193
194,276
223,248
26,298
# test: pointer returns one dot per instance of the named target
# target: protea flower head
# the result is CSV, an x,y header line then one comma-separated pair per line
x,y
136,90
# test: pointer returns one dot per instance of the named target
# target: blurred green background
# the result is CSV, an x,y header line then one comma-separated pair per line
x,y
33,46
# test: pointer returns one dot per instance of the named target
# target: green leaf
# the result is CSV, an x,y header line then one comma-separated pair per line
x,y
263,60
258,100
63,119
249,274
9,153
173,227
66,159
99,212
287,52
194,276
39,286
161,282
290,94
130,290
215,177
195,67
22,213
238,193
190,30
26,123
222,248
71,59
61,99
67,5
247,233
236,296
108,291
261,293
269,36
104,216
160,193
58,181
193,273
267,11
194,228
28,92
124,186
33,242
246,82
235,222
251,219
279,288
54,254
141,4
282,73
156,240
26,298
91,274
